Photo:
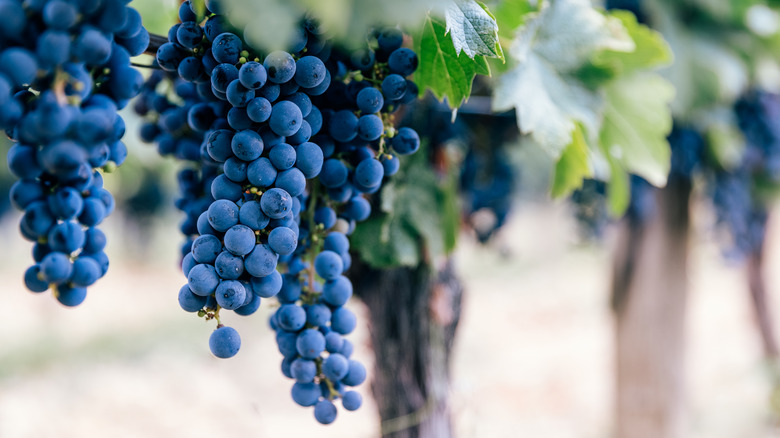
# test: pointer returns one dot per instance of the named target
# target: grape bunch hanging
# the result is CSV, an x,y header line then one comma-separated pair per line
x,y
64,73
288,144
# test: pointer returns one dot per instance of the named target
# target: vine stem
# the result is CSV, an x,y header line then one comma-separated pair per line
x,y
155,41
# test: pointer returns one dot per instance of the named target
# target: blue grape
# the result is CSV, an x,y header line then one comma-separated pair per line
x,y
205,249
247,145
343,126
70,296
286,118
230,294
66,237
333,341
325,216
261,172
343,321
292,181
32,279
352,400
328,265
370,127
222,75
223,214
238,95
55,268
250,307
356,373
276,203
333,173
390,39
259,109
318,315
226,48
267,286
240,240
235,170
224,342
303,101
190,302
337,291
309,72
282,240
261,261
224,188
303,370
369,172
283,156
189,34
358,209
325,412
252,75
306,394
309,159
280,67
406,141
229,266
336,242
403,61
310,343
291,317
370,100
251,215
394,87
203,280
335,367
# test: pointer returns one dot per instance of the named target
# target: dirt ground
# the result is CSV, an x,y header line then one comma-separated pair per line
x,y
533,357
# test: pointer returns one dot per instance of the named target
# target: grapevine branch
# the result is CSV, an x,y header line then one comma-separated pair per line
x,y
155,41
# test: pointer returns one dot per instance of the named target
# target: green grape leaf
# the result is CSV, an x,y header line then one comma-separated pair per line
x,y
573,166
441,69
708,69
510,14
618,190
636,123
473,29
418,218
543,88
651,49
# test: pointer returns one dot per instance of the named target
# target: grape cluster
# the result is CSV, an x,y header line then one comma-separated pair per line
x,y
739,194
292,140
64,72
165,102
488,183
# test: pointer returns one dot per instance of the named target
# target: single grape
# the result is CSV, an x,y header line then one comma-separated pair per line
x,y
224,342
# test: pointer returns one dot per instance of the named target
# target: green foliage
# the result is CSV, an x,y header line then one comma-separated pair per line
x,y
510,14
581,89
473,29
573,166
419,218
636,123
441,70
550,48
650,51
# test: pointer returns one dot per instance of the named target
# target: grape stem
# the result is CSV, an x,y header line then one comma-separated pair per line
x,y
331,389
